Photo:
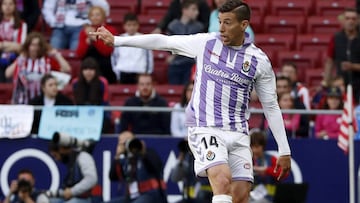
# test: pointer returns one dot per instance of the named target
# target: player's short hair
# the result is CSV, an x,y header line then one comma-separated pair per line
x,y
240,8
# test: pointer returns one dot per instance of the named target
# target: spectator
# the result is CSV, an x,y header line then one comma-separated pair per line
x,y
92,89
36,59
291,121
319,99
194,189
81,175
30,12
146,122
298,89
283,85
178,117
90,47
140,168
67,18
328,126
22,190
214,25
264,165
174,12
339,82
344,53
180,66
50,96
12,34
128,62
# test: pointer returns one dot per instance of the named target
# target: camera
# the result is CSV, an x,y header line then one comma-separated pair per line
x,y
133,146
65,140
24,186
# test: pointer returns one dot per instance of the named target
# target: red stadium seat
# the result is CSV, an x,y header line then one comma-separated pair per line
x,y
292,7
172,93
155,7
284,24
160,73
259,7
116,19
323,24
333,7
256,120
314,77
275,41
68,91
257,23
73,60
272,43
304,60
119,93
6,90
160,55
313,42
148,22
123,6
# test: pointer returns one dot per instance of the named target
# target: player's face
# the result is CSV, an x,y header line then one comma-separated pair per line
x,y
231,30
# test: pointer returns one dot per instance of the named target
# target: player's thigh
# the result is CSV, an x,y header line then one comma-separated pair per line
x,y
240,191
209,150
220,179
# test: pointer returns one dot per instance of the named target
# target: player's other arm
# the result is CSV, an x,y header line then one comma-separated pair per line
x,y
265,87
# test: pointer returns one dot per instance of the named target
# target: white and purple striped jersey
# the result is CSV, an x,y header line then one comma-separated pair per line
x,y
225,77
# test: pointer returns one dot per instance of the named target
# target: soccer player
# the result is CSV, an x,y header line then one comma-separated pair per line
x,y
228,67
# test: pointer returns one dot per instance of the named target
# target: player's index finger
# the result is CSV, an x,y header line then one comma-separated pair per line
x,y
93,33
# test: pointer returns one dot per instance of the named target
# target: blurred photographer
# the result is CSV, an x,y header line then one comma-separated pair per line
x,y
22,190
141,170
81,174
194,189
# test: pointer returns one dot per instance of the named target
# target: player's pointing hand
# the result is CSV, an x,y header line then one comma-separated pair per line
x,y
104,35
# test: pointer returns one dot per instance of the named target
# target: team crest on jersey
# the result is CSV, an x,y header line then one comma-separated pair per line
x,y
247,165
210,155
246,66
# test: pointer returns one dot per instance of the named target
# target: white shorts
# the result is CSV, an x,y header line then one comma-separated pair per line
x,y
213,146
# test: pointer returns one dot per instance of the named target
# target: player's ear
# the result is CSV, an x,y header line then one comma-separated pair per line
x,y
244,24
